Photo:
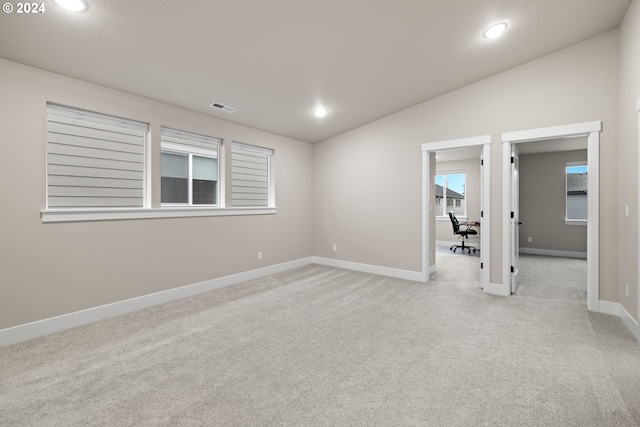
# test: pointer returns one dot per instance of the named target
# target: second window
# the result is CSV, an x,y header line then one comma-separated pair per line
x,y
450,194
189,169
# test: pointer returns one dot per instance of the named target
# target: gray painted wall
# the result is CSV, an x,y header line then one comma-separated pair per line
x,y
627,192
375,218
542,202
56,268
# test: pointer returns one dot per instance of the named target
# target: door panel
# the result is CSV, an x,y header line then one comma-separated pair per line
x,y
515,217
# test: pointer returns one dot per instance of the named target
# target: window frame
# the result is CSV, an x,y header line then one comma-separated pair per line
x,y
567,220
185,143
147,210
445,201
174,149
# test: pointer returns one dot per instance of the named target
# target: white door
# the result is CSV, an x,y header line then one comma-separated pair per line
x,y
483,259
515,217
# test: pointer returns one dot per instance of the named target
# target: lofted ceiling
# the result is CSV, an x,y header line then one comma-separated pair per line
x,y
276,60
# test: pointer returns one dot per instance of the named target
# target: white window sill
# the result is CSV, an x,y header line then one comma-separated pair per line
x,y
446,218
67,215
575,222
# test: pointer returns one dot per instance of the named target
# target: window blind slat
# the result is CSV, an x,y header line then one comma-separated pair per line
x,y
249,172
94,202
79,171
95,153
56,159
248,183
88,132
187,139
183,143
250,149
251,190
55,180
249,198
62,114
80,141
60,191
249,195
249,158
250,165
242,202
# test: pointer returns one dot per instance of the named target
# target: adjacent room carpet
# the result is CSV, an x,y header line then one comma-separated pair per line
x,y
320,346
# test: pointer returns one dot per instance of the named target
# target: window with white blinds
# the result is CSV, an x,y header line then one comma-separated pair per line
x,y
94,160
188,168
577,195
250,175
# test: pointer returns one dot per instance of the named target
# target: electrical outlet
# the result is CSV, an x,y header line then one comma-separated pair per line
x,y
259,255
335,248
626,288
529,239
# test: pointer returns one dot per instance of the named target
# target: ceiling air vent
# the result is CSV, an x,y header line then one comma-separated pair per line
x,y
223,107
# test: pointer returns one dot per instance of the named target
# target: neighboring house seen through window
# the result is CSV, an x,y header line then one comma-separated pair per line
x,y
450,193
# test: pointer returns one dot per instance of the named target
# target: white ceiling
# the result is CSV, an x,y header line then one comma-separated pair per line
x,y
275,60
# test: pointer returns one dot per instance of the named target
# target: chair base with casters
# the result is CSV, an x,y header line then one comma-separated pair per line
x,y
463,233
463,246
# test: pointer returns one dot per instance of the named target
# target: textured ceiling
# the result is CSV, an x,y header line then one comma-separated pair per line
x,y
275,60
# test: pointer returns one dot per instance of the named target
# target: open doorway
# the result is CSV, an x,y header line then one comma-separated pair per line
x,y
457,208
435,208
552,211
511,219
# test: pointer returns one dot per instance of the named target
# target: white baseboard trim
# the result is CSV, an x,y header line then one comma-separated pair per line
x,y
608,307
39,328
616,309
630,322
552,252
372,269
433,270
67,321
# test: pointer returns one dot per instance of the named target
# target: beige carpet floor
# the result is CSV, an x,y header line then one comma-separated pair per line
x,y
320,346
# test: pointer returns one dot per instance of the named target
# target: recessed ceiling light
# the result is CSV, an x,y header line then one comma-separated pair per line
x,y
72,5
320,112
495,31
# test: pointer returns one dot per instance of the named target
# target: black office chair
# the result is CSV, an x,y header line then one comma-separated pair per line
x,y
463,233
